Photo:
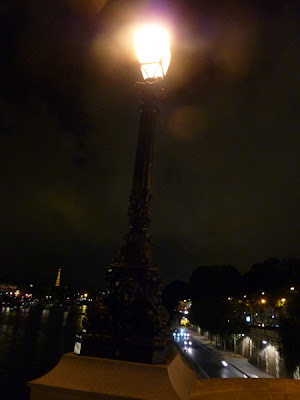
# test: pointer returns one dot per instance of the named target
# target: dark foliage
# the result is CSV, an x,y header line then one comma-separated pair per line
x,y
173,293
290,332
272,275
210,288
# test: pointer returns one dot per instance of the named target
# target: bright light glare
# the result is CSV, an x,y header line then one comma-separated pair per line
x,y
153,51
224,363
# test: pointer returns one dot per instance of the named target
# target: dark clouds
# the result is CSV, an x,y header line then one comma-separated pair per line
x,y
226,169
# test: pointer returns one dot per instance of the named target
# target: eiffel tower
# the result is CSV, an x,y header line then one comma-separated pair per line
x,y
57,283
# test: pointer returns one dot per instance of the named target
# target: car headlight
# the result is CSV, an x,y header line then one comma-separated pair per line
x,y
224,363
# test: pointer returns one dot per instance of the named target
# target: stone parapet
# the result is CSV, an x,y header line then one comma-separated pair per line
x,y
82,378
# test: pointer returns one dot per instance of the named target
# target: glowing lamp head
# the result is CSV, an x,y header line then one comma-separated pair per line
x,y
153,51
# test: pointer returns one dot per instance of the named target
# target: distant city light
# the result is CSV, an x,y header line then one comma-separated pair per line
x,y
262,293
264,342
248,319
292,288
283,300
263,301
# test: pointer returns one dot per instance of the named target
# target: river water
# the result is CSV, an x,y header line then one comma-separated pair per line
x,y
32,342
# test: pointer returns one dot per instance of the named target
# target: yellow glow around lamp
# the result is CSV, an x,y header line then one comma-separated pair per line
x,y
153,51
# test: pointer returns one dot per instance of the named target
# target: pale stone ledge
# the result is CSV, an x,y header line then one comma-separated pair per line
x,y
246,389
80,377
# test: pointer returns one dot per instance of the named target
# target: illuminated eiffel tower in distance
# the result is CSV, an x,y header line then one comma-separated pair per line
x,y
57,283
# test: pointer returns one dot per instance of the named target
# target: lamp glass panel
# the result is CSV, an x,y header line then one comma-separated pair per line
x,y
153,48
153,70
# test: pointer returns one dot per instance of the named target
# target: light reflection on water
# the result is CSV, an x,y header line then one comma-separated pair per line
x,y
32,341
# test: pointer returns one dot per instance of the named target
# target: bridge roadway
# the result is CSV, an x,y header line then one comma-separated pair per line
x,y
201,356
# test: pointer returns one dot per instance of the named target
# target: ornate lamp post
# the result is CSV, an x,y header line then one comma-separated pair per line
x,y
153,51
138,327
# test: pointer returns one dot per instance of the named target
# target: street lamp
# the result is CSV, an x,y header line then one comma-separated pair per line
x,y
136,326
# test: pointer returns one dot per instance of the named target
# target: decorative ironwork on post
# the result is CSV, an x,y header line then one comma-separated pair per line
x,y
133,280
136,247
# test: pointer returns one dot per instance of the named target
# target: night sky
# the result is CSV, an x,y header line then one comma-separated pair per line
x,y
226,167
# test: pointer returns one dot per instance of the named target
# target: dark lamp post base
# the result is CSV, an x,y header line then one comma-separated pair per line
x,y
133,325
